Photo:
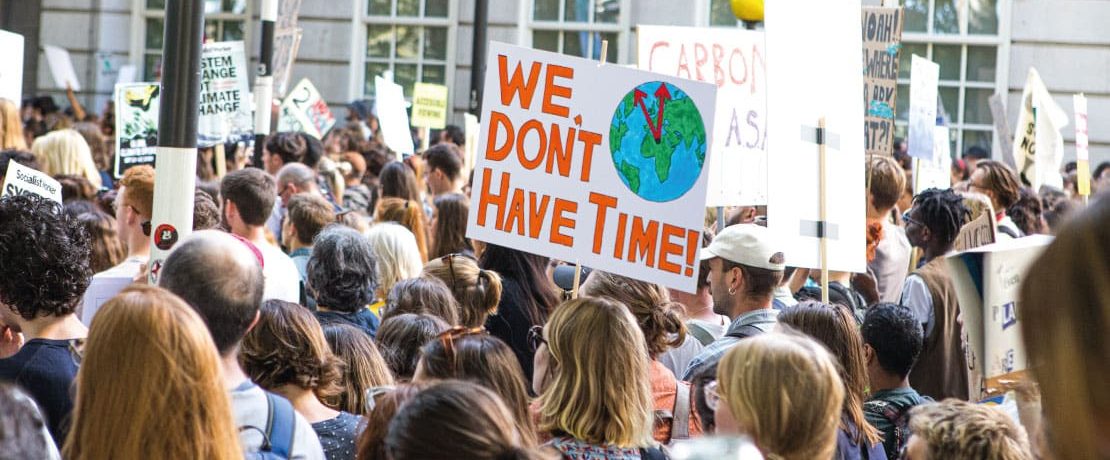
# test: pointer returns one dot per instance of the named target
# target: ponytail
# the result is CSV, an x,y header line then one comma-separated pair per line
x,y
489,286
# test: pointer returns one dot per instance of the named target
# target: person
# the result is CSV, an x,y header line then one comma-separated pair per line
x,y
150,384
281,149
888,258
356,195
229,305
66,152
11,127
422,295
363,368
307,216
702,323
841,292
472,355
453,134
975,155
998,182
134,208
661,324
286,353
699,393
105,248
595,405
449,226
528,295
477,291
206,214
44,274
933,224
410,215
292,179
398,258
386,403
745,267
102,157
342,276
75,188
959,429
892,340
397,180
249,196
1028,213
443,170
834,326
23,432
454,419
783,390
401,338
21,157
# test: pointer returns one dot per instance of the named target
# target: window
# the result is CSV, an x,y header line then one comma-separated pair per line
x,y
411,38
224,20
720,13
577,27
966,38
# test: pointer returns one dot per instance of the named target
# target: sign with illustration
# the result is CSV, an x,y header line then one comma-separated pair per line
x,y
136,125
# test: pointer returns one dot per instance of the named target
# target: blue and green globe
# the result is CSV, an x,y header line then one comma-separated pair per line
x,y
658,142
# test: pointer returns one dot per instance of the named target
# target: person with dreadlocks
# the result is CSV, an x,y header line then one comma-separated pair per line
x,y
932,225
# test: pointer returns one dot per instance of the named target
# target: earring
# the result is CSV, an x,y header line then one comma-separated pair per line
x,y
731,291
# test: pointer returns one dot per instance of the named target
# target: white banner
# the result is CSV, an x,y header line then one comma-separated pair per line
x,y
1038,145
11,73
389,98
21,180
924,76
225,100
61,67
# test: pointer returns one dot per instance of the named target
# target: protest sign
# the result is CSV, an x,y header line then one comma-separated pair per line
x,y
599,164
981,229
924,76
286,44
813,80
935,172
429,106
733,59
473,129
21,180
389,99
1082,146
61,67
11,73
882,43
136,124
225,109
126,74
305,110
1038,146
101,289
1002,129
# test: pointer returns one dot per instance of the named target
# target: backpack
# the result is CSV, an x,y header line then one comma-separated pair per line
x,y
899,417
699,332
277,438
679,416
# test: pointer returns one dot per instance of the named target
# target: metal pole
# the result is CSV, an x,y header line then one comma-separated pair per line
x,y
176,154
478,55
264,82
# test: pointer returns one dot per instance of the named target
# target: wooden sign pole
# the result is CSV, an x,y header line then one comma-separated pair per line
x,y
823,187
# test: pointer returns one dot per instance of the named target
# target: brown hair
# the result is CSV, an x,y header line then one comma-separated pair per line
x,y
400,338
888,181
659,318
422,295
309,213
449,231
371,443
139,194
106,249
398,181
75,188
759,283
1001,180
409,214
97,147
959,429
364,367
287,347
253,192
353,166
477,291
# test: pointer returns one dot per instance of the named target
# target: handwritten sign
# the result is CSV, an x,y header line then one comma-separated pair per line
x,y
980,231
225,111
61,67
389,99
596,163
305,110
21,180
937,171
11,73
1082,146
1039,165
136,124
924,76
429,106
882,44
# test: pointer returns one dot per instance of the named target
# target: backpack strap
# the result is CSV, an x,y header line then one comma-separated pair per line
x,y
280,426
680,424
745,331
1009,231
699,332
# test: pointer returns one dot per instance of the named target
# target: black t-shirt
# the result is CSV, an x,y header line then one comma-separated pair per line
x,y
511,325
46,369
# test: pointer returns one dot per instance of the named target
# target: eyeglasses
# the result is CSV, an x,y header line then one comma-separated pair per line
x,y
447,339
535,337
909,220
372,396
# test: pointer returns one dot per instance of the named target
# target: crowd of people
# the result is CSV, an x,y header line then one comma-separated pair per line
x,y
328,305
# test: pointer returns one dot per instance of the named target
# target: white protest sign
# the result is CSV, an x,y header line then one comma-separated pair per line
x,y
924,76
305,105
11,73
61,67
21,180
808,80
935,172
472,128
1028,153
593,163
136,124
127,74
286,44
225,108
429,106
101,289
389,98
1082,146
733,59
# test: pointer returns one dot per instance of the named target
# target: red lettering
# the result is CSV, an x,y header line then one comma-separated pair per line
x,y
486,198
551,89
510,87
494,153
560,221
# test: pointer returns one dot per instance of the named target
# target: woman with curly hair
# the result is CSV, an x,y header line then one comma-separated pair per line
x,y
286,353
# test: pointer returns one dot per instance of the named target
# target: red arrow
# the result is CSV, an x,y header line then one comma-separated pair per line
x,y
662,95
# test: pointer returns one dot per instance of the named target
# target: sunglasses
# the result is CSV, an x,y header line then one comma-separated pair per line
x,y
372,395
447,339
535,337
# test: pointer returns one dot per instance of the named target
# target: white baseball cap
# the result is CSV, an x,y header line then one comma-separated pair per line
x,y
747,244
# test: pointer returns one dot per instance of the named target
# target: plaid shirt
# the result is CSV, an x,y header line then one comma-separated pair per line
x,y
763,319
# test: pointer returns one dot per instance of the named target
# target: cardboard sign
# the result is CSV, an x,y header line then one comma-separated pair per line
x,y
1002,129
1039,165
473,129
307,109
288,12
429,106
61,67
11,73
882,44
286,44
980,231
924,76
937,171
136,124
225,102
732,59
598,164
389,99
810,80
1082,146
21,180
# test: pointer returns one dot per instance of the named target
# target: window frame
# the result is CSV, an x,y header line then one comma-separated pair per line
x,y
362,20
622,27
140,13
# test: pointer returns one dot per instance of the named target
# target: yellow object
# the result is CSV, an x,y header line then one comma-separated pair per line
x,y
748,10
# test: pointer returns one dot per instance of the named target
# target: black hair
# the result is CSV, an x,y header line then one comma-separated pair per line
x,y
895,335
289,146
313,150
401,337
455,134
398,181
22,157
44,257
1027,212
701,404
1099,170
342,272
976,152
942,212
527,284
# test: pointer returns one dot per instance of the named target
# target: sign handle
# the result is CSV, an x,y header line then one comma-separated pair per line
x,y
425,135
823,184
604,51
720,218
577,280
221,160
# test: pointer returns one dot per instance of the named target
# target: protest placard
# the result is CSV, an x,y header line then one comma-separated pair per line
x,y
11,73
924,76
1039,165
1082,146
882,44
389,99
101,289
598,164
225,108
473,129
809,81
305,110
286,44
935,172
61,67
980,231
1002,130
732,59
21,180
136,124
429,106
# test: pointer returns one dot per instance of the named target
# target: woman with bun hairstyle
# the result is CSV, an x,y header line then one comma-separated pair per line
x,y
477,291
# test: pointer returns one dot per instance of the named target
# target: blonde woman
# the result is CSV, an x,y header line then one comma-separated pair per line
x,y
784,392
408,213
595,395
11,127
398,258
150,384
66,152
478,291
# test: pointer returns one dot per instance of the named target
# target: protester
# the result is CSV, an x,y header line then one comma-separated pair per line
x,y
975,155
784,391
841,292
933,225
891,343
444,170
286,353
307,216
397,181
134,207
959,429
356,195
98,147
699,393
449,226
229,304
21,157
422,296
595,394
401,338
206,214
66,152
1028,213
477,291
23,432
702,323
397,255
292,179
281,149
11,127
746,266
75,188
105,248
998,182
410,215
363,368
386,403
249,196
454,135
888,258
342,276
43,275
150,384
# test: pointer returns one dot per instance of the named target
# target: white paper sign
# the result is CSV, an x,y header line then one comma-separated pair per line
x,y
935,172
472,127
225,107
389,98
733,59
103,287
924,75
11,73
127,74
305,110
1038,145
21,180
61,67
808,79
